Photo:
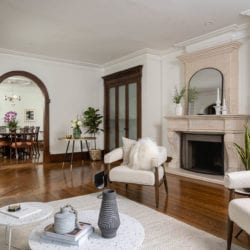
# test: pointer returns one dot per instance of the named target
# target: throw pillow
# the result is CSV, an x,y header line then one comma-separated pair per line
x,y
127,145
142,153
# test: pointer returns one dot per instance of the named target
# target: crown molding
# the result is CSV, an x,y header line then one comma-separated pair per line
x,y
208,52
51,59
227,34
143,52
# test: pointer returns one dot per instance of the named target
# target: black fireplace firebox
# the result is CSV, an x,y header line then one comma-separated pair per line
x,y
203,153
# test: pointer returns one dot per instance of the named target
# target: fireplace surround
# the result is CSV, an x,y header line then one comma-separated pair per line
x,y
231,127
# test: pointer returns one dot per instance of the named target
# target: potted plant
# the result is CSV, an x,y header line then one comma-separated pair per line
x,y
10,120
244,153
192,94
92,120
178,95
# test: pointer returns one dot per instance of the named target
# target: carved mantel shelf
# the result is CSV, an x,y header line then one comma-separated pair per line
x,y
208,123
231,126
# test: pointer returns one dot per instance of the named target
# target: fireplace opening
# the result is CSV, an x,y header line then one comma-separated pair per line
x,y
203,153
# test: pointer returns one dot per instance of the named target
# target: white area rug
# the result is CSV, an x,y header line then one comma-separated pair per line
x,y
162,232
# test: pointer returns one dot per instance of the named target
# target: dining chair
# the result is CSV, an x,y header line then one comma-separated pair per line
x,y
36,141
20,145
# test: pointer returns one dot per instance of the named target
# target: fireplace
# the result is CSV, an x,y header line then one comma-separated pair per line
x,y
221,131
203,153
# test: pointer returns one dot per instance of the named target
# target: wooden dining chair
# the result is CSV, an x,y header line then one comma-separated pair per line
x,y
20,145
4,143
35,141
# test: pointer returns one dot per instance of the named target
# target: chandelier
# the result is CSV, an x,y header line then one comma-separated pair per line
x,y
12,98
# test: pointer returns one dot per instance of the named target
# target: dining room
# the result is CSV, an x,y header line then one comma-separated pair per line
x,y
21,119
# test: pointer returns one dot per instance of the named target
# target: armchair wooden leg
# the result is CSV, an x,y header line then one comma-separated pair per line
x,y
126,187
165,183
229,233
157,195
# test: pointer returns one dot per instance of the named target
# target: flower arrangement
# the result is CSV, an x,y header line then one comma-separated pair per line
x,y
10,119
191,91
178,95
76,125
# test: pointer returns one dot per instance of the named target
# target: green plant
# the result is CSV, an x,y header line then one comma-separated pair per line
x,y
178,95
92,121
244,153
192,94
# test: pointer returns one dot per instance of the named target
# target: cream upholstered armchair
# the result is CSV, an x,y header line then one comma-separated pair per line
x,y
238,209
150,172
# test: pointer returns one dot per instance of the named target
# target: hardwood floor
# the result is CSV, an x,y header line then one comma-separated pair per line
x,y
200,204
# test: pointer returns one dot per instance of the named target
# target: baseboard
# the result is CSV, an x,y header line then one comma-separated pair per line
x,y
77,157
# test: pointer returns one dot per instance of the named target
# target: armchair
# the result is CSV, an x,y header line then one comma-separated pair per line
x,y
238,209
125,173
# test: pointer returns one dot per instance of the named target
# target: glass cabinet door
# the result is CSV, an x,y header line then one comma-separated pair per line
x,y
112,118
132,111
122,107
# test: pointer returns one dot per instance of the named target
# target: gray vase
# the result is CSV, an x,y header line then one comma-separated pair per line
x,y
108,220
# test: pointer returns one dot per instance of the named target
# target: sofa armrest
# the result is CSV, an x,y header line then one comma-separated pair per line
x,y
114,155
156,162
240,179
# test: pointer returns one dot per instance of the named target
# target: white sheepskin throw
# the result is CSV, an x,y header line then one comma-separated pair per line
x,y
142,153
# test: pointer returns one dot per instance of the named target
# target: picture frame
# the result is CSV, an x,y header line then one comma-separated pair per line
x,y
29,115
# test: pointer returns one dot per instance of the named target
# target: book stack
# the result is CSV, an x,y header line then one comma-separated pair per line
x,y
76,237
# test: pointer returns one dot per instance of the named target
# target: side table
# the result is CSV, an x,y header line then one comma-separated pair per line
x,y
130,235
9,221
68,140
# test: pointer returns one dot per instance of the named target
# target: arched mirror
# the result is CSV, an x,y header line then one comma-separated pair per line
x,y
209,83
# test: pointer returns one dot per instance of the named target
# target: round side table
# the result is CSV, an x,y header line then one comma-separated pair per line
x,y
130,235
9,221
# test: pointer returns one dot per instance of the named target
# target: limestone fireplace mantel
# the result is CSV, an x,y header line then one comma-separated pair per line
x,y
231,126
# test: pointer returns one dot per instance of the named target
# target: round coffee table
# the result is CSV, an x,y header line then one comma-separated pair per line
x,y
130,235
9,221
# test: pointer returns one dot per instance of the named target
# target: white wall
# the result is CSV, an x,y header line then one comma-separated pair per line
x,y
71,89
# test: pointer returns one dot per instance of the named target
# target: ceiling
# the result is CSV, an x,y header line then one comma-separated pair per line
x,y
99,31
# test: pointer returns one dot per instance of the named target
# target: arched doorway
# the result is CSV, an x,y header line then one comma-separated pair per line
x,y
40,84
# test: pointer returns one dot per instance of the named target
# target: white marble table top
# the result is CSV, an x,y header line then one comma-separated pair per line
x,y
130,235
46,211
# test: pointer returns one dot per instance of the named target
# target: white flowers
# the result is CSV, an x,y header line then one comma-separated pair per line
x,y
76,123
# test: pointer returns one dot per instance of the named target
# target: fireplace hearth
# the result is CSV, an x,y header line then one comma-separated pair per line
x,y
203,153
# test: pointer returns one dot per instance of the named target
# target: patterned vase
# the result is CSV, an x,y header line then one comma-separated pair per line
x,y
77,133
109,220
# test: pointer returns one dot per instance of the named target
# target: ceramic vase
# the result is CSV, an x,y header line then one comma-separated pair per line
x,y
64,221
77,133
109,220
178,109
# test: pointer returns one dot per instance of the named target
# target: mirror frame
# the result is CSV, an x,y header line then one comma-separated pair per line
x,y
222,86
41,85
